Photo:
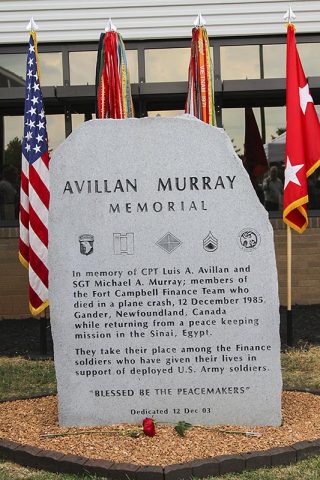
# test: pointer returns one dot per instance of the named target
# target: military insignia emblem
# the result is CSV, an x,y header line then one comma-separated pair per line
x,y
210,243
123,243
169,242
249,239
86,243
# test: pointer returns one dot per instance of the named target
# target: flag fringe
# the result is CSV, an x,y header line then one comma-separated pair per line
x,y
313,168
297,205
23,261
38,310
34,36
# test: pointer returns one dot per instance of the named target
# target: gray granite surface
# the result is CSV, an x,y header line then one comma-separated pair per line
x,y
163,283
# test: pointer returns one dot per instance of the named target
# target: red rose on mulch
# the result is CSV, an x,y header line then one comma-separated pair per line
x,y
149,427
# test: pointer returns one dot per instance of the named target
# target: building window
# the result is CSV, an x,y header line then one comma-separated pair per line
x,y
165,113
274,61
11,165
79,118
83,67
167,64
275,118
233,121
234,124
13,69
275,121
309,55
10,171
55,130
240,62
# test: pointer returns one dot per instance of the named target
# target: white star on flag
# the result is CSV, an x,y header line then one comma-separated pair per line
x,y
37,148
305,97
290,174
32,111
39,138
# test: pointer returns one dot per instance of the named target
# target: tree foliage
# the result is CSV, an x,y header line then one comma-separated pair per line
x,y
12,154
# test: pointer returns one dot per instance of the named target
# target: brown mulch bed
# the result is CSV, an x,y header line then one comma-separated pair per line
x,y
23,421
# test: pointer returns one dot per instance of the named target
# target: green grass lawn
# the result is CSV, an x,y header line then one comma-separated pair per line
x,y
11,471
305,470
22,377
301,368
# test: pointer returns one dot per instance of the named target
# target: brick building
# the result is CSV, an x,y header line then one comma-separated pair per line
x,y
248,46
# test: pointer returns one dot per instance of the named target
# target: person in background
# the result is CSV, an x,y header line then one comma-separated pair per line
x,y
314,191
273,190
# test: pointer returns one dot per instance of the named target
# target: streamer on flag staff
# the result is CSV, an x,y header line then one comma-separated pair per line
x,y
34,192
200,101
113,90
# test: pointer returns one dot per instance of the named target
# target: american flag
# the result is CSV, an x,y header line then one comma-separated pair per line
x,y
34,193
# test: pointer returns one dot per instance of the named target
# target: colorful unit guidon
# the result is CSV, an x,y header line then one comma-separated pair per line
x,y
200,102
34,193
113,90
302,141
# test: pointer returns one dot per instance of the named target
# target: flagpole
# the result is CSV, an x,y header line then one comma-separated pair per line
x,y
289,289
32,27
302,150
288,17
43,333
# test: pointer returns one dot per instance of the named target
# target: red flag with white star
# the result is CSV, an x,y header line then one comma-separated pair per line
x,y
302,141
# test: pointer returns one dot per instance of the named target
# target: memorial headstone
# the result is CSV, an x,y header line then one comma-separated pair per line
x,y
163,283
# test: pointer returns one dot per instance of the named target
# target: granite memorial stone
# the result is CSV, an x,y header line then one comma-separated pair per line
x,y
163,282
